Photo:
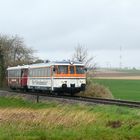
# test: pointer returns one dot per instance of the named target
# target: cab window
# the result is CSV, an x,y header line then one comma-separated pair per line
x,y
80,70
62,69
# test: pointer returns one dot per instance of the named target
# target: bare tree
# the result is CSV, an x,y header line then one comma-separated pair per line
x,y
21,54
81,54
15,51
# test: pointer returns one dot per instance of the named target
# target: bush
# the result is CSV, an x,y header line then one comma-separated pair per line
x,y
96,90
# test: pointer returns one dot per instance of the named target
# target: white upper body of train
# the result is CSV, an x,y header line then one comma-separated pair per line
x,y
53,76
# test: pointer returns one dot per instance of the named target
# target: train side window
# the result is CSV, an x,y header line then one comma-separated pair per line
x,y
9,73
36,72
39,72
43,72
46,72
33,72
12,73
15,73
49,71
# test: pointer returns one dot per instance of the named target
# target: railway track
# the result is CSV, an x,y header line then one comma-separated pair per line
x,y
101,101
132,104
109,101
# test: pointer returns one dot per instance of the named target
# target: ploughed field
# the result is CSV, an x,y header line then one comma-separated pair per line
x,y
21,118
116,74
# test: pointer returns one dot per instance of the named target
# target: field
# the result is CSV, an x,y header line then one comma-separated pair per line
x,y
123,83
24,120
122,88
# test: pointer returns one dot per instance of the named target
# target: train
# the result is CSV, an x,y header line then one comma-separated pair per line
x,y
52,77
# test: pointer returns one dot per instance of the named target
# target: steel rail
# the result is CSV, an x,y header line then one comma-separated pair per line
x,y
117,102
103,101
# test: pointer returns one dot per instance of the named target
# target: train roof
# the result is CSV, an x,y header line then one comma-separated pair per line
x,y
68,63
18,67
56,63
46,64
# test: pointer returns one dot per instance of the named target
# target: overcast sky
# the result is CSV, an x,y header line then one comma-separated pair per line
x,y
55,27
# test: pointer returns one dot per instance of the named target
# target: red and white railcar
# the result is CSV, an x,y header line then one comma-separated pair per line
x,y
62,76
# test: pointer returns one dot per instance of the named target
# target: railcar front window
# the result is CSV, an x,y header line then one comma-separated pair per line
x,y
80,70
62,69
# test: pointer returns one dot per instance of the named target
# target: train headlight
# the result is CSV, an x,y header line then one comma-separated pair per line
x,y
64,86
64,82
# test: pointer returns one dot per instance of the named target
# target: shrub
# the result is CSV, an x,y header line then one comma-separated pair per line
x,y
96,90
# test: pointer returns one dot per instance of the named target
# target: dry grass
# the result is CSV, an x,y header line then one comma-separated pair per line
x,y
66,121
48,117
97,90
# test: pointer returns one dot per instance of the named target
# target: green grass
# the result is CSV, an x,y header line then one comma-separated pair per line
x,y
122,89
54,121
17,102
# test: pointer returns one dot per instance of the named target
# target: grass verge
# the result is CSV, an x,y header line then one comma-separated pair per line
x,y
21,120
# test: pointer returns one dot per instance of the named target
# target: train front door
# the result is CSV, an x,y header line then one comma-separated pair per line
x,y
72,74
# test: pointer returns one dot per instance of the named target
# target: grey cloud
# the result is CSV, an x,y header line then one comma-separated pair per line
x,y
50,25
